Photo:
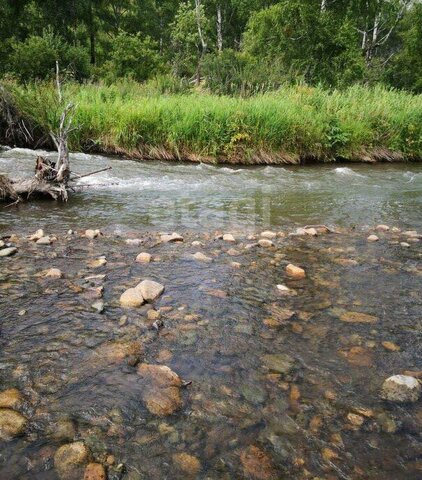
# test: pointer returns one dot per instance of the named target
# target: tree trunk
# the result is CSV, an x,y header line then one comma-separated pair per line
x,y
203,48
219,29
92,33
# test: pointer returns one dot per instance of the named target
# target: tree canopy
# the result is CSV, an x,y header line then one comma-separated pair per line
x,y
227,46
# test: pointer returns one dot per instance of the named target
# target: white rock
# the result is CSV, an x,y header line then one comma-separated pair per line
x,y
174,237
91,234
228,237
283,288
396,230
405,244
197,243
201,257
132,298
372,238
382,228
1,244
410,233
150,290
268,234
265,243
98,306
143,257
37,235
134,242
7,252
401,388
311,231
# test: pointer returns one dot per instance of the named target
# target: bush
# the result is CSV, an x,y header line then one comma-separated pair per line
x,y
35,59
132,56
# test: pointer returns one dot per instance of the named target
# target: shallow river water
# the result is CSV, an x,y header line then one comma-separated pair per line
x,y
277,384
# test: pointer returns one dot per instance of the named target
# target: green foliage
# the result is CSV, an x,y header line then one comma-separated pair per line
x,y
132,56
36,57
286,124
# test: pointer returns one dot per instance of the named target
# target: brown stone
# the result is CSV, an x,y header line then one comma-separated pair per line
x,y
162,389
357,317
188,464
257,464
295,272
12,424
70,460
10,398
390,346
95,471
132,298
358,356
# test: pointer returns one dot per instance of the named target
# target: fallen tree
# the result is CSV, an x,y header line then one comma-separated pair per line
x,y
51,180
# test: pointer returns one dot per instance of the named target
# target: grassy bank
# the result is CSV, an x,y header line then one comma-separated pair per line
x,y
293,125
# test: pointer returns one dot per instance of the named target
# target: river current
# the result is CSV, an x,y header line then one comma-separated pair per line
x,y
280,377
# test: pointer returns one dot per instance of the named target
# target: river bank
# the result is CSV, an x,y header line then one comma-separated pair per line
x,y
296,125
256,356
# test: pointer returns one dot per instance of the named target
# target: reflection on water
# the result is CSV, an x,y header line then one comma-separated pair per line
x,y
282,386
173,196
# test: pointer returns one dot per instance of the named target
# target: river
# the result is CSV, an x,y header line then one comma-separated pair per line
x,y
278,382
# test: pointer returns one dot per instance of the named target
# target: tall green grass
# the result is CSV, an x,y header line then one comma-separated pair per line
x,y
291,125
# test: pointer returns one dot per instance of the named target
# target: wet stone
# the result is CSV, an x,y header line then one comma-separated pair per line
x,y
150,290
279,363
257,465
401,389
132,298
187,464
144,257
12,424
8,252
10,398
95,471
295,272
70,460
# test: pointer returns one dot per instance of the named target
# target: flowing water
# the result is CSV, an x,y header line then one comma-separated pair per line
x,y
284,385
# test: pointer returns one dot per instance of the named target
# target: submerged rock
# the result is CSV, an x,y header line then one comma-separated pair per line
x,y
132,298
95,471
188,464
295,272
279,363
150,290
257,465
7,252
162,389
70,460
357,317
53,273
10,398
12,424
401,388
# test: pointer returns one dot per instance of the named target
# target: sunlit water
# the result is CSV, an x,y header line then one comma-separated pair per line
x,y
224,320
197,196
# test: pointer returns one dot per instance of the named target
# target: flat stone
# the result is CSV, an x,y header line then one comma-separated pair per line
x,y
173,237
295,272
357,317
279,363
10,398
144,257
44,241
401,389
12,424
390,346
150,290
7,252
201,257
70,460
132,298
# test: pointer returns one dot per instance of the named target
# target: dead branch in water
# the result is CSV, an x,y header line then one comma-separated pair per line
x,y
50,179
